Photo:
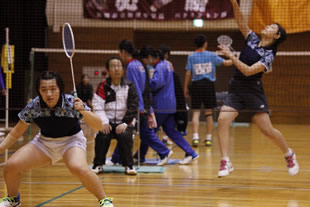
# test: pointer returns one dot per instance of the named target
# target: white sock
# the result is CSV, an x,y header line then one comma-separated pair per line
x,y
195,136
226,159
209,137
289,153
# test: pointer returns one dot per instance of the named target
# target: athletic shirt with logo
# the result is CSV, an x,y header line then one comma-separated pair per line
x,y
203,65
252,54
60,121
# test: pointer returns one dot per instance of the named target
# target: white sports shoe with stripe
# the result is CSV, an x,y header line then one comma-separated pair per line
x,y
292,164
225,169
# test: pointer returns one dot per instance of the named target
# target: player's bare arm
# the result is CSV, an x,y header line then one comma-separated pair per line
x,y
13,136
241,22
245,69
188,77
90,118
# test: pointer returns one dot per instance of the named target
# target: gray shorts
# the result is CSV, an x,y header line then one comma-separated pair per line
x,y
55,148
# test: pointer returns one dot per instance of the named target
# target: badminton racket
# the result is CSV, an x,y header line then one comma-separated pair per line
x,y
69,48
226,40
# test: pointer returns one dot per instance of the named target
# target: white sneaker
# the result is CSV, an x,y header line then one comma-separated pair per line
x,y
292,164
10,201
225,169
97,169
164,161
167,141
189,159
107,202
130,171
110,163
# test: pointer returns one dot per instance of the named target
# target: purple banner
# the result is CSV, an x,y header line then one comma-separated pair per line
x,y
159,10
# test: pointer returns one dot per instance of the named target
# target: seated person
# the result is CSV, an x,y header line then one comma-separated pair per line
x,y
116,103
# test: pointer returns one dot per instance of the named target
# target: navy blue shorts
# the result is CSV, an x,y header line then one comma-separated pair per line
x,y
203,92
247,95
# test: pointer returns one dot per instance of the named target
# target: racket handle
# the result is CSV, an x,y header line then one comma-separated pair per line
x,y
75,94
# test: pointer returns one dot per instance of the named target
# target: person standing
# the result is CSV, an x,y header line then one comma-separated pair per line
x,y
200,69
164,104
137,73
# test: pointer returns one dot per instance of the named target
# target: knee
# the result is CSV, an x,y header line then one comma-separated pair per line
x,y
100,136
79,170
126,136
223,122
269,132
12,167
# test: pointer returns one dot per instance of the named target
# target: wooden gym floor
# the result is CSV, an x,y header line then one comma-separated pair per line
x,y
260,178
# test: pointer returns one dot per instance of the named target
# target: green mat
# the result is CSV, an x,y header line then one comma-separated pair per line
x,y
141,169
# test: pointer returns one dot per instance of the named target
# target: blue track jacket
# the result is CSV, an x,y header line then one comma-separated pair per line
x,y
162,86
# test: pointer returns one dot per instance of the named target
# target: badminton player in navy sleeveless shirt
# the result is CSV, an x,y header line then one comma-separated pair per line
x,y
60,137
246,89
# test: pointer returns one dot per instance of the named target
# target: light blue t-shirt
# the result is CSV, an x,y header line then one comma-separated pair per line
x,y
203,65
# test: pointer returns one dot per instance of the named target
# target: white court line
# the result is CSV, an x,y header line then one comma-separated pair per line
x,y
261,169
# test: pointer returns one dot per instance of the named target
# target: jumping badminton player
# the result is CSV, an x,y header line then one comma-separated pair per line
x,y
246,90
57,115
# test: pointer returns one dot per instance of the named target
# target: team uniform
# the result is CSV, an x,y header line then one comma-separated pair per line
x,y
59,127
247,92
202,65
164,104
136,73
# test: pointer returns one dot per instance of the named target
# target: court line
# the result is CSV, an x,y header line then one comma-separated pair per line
x,y
179,185
61,195
171,185
159,184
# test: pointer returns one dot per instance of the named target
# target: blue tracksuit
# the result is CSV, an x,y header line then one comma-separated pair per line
x,y
164,104
136,73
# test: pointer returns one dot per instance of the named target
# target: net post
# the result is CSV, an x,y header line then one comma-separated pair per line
x,y
30,90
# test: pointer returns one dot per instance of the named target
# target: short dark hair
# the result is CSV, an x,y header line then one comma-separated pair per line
x,y
129,47
50,75
164,48
200,40
147,50
107,65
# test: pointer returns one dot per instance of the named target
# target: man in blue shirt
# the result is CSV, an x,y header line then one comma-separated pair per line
x,y
201,68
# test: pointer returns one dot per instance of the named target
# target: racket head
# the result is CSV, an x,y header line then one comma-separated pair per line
x,y
224,40
68,40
